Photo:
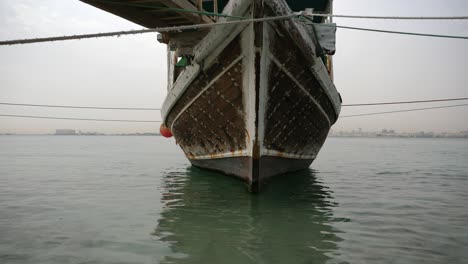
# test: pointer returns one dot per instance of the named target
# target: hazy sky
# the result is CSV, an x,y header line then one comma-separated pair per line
x,y
130,71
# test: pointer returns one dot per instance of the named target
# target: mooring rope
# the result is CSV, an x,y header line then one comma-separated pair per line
x,y
83,107
409,102
203,12
310,19
158,121
82,119
198,12
198,26
142,31
157,109
395,17
393,32
405,110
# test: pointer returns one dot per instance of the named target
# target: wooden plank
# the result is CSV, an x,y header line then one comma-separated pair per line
x,y
130,13
218,34
186,5
215,6
144,1
160,10
172,18
200,5
140,15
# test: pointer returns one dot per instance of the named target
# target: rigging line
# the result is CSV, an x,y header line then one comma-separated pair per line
x,y
407,102
404,33
158,109
84,107
314,14
171,9
142,31
405,110
156,121
83,119
197,26
396,17
388,31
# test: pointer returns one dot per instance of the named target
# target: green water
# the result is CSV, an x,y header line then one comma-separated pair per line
x,y
137,200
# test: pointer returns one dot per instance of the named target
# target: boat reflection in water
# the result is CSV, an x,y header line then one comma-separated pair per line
x,y
207,219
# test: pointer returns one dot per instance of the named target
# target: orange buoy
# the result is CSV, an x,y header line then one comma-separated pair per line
x,y
165,131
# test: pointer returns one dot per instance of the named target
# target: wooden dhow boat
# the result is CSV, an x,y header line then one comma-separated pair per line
x,y
251,99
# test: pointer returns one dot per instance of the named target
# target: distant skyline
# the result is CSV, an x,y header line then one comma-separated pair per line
x,y
130,71
332,131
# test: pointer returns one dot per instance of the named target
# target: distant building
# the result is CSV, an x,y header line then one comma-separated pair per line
x,y
65,132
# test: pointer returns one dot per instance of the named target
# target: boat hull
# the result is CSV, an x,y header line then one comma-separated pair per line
x,y
257,100
253,171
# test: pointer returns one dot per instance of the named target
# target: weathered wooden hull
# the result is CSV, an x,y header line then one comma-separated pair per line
x,y
257,100
253,171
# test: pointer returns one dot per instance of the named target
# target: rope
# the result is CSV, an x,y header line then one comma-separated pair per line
x,y
406,110
396,17
83,119
198,26
385,31
156,121
314,14
405,33
171,9
84,107
71,37
158,109
142,31
407,102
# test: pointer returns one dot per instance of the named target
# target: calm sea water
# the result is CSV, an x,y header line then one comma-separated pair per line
x,y
70,199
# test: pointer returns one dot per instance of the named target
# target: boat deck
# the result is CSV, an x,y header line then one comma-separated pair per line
x,y
163,13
